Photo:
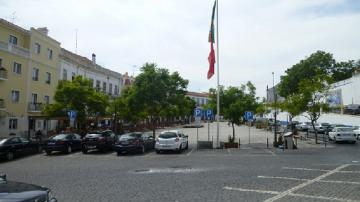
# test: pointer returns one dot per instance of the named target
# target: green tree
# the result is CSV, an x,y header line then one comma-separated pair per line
x,y
234,101
77,95
157,92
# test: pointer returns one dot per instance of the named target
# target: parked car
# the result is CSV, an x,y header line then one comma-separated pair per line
x,y
320,128
342,134
11,191
304,126
63,142
98,140
356,130
173,140
17,146
134,142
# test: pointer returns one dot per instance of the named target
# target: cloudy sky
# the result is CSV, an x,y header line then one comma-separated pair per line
x,y
256,37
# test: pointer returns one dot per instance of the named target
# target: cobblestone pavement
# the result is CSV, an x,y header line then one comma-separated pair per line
x,y
251,173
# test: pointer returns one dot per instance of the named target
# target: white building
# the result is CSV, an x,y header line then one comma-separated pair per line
x,y
200,98
104,80
347,92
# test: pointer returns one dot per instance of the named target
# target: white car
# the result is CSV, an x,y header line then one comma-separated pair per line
x,y
357,132
303,126
342,134
173,140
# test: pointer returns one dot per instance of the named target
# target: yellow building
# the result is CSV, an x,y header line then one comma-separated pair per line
x,y
28,77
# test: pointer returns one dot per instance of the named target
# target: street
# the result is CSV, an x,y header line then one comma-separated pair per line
x,y
251,173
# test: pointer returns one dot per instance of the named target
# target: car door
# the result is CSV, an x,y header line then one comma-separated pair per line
x,y
27,147
15,146
76,141
183,140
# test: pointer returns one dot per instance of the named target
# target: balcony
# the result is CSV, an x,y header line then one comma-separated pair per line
x,y
14,49
2,104
3,74
35,107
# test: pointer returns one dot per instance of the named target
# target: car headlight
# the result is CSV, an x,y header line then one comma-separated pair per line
x,y
50,197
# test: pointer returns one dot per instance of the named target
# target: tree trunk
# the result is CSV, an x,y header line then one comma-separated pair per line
x,y
313,125
233,131
153,126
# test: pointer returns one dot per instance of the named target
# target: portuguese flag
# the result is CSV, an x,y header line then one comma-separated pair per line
x,y
211,40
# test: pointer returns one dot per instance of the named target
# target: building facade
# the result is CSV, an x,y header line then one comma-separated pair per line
x,y
28,78
102,79
199,98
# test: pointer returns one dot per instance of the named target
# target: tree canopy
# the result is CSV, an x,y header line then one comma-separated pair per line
x,y
77,95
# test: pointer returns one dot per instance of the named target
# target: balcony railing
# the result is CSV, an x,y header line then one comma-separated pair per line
x,y
2,104
35,107
14,49
3,74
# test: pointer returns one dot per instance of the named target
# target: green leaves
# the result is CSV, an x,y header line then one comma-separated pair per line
x,y
77,95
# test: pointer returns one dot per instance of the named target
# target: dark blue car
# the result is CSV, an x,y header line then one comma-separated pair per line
x,y
134,142
63,142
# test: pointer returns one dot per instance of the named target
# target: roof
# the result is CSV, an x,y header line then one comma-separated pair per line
x,y
86,62
197,94
18,28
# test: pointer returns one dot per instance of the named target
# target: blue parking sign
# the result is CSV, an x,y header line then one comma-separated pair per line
x,y
197,112
248,115
209,113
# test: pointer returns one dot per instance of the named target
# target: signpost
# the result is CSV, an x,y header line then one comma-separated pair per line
x,y
197,115
72,117
209,114
249,116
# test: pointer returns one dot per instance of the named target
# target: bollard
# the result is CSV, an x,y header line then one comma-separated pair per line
x,y
267,143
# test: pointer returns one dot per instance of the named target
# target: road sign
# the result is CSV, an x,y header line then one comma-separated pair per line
x,y
197,112
209,113
72,114
248,115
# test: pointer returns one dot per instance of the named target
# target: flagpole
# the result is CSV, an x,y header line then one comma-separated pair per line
x,y
218,85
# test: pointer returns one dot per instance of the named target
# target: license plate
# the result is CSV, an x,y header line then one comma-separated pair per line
x,y
125,142
91,147
51,143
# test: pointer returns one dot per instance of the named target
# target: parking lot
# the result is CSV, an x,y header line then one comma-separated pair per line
x,y
251,173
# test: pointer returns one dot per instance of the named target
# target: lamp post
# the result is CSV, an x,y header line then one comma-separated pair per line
x,y
275,113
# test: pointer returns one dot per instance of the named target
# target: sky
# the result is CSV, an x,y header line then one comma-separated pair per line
x,y
256,38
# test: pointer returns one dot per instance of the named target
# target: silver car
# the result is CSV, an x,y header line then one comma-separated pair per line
x,y
173,140
356,130
342,134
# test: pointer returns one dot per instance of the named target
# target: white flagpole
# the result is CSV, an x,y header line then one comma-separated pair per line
x,y
218,85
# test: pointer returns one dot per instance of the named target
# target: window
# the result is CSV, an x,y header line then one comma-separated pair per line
x,y
97,85
48,78
46,99
91,82
116,91
104,87
64,75
50,53
37,48
13,124
33,98
17,68
110,88
35,74
13,40
15,96
73,76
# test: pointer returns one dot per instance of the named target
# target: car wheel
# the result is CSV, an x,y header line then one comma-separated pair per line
x,y
69,149
10,156
118,153
353,142
335,140
187,146
158,151
84,150
48,152
39,149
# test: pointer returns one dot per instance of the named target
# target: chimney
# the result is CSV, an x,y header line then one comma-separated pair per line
x,y
43,30
93,58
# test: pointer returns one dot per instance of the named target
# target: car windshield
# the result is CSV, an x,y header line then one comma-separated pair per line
x,y
130,136
345,129
59,137
94,135
167,135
